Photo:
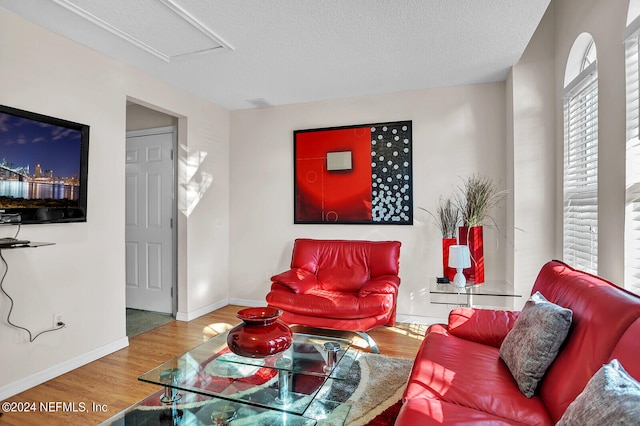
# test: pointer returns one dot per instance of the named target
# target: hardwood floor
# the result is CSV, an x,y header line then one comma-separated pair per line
x,y
111,383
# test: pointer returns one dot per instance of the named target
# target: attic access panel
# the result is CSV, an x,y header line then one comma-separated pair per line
x,y
359,174
144,24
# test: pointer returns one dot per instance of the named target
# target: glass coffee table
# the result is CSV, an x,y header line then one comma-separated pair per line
x,y
210,382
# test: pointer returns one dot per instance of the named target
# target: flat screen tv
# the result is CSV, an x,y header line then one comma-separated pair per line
x,y
43,168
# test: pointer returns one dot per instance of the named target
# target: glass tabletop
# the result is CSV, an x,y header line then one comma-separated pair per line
x,y
489,288
307,355
197,409
212,369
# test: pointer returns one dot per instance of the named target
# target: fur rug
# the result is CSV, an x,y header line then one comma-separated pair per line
x,y
380,385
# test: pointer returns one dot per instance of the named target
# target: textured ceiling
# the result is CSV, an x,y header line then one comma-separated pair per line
x,y
247,53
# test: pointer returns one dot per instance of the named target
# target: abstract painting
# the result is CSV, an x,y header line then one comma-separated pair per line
x,y
357,174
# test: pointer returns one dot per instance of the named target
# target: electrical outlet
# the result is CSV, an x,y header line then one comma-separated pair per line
x,y
57,320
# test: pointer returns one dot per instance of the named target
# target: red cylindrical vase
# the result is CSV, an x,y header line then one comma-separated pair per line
x,y
472,237
446,270
260,333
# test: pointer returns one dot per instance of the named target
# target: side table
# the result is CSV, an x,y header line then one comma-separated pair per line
x,y
489,288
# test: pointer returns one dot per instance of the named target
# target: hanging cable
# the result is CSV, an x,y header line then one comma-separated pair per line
x,y
17,232
31,336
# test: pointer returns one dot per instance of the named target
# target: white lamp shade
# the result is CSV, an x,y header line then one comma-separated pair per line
x,y
459,257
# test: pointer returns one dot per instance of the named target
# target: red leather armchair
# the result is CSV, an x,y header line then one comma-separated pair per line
x,y
347,285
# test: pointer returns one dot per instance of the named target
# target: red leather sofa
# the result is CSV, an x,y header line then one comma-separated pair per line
x,y
459,378
340,285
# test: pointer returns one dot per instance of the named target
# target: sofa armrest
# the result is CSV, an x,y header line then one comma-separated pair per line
x,y
485,326
297,280
383,284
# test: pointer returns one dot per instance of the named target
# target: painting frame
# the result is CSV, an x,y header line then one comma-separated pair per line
x,y
356,174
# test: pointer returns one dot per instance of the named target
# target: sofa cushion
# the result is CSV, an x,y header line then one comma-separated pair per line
x,y
427,411
333,275
533,342
482,325
382,257
627,350
610,397
349,325
384,284
330,304
465,373
297,280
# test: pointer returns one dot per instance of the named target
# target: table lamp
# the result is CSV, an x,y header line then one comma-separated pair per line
x,y
459,258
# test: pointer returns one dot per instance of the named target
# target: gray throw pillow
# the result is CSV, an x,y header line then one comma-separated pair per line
x,y
611,397
533,342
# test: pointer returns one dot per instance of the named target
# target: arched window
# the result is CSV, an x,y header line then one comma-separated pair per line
x,y
580,171
632,210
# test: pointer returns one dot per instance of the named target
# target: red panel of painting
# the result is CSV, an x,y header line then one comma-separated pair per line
x,y
333,195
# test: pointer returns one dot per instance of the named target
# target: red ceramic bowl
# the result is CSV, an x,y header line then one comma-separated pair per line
x,y
260,334
259,315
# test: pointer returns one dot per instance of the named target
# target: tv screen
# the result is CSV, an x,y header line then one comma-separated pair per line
x,y
43,168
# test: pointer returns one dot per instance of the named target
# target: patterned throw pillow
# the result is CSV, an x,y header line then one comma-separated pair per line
x,y
533,342
611,397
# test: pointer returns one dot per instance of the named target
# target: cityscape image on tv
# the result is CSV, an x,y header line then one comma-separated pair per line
x,y
39,164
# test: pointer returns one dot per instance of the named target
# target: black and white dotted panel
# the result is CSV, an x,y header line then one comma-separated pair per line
x,y
391,193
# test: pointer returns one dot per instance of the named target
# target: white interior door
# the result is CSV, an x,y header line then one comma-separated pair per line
x,y
149,220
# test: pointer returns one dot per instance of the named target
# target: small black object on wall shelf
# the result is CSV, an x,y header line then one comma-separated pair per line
x,y
6,243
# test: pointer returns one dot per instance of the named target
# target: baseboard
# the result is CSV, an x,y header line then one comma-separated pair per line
x,y
36,379
188,316
247,302
418,319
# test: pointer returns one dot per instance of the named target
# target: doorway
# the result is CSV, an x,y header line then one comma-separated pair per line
x,y
150,230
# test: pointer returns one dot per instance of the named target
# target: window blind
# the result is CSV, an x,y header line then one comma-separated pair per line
x,y
580,214
632,211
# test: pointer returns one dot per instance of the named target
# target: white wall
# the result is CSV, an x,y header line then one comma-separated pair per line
x,y
531,161
142,118
82,276
456,132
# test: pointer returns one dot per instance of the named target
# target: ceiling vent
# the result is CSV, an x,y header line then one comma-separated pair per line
x,y
160,27
260,103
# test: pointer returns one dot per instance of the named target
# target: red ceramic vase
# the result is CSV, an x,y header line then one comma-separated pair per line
x,y
446,270
473,238
260,333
